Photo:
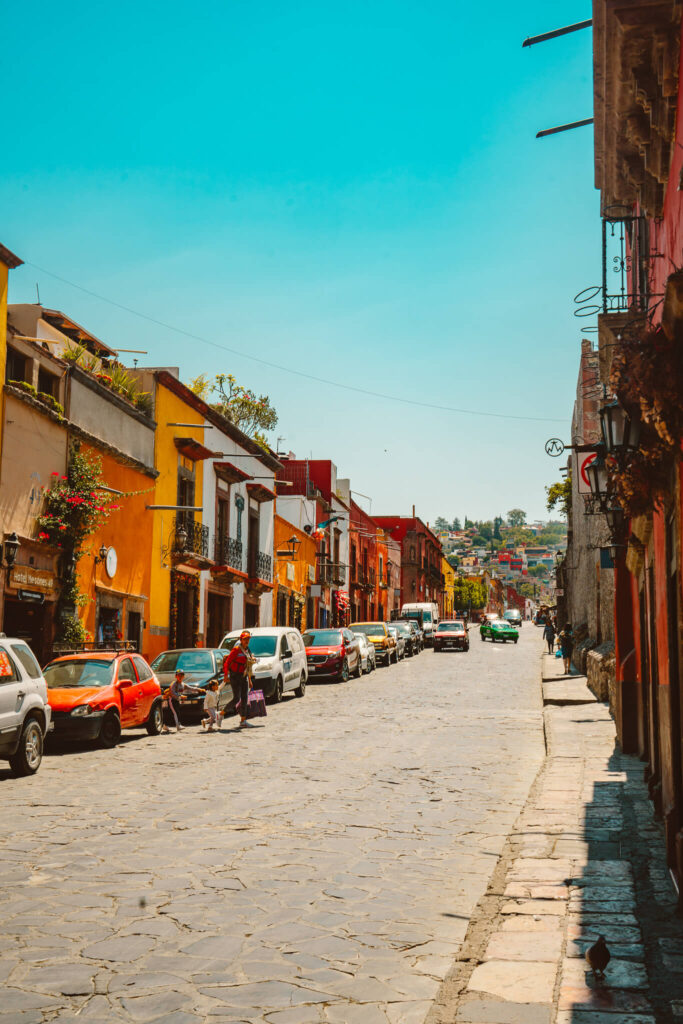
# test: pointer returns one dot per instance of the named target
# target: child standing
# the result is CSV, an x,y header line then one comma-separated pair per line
x,y
212,716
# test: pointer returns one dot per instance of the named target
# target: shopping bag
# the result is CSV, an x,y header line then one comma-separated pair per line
x,y
256,705
558,653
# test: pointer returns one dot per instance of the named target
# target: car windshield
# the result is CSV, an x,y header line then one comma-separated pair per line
x,y
322,638
79,672
260,646
512,615
499,624
402,628
450,627
188,661
369,628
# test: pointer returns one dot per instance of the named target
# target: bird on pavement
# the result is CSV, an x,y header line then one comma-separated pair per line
x,y
598,956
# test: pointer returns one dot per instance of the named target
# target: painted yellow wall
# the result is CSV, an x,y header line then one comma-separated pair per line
x,y
449,586
4,274
169,408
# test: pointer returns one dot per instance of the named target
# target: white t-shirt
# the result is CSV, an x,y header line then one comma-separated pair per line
x,y
211,699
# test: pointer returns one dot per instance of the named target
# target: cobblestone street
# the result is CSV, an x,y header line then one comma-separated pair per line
x,y
320,868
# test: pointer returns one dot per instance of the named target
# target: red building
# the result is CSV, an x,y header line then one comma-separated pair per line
x,y
327,523
363,567
638,169
421,553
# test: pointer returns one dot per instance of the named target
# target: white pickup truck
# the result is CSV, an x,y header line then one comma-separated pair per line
x,y
24,711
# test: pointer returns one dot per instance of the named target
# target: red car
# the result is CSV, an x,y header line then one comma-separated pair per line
x,y
451,636
95,694
332,653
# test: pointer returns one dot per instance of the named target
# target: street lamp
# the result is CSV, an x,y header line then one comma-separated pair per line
x,y
180,537
620,432
101,555
597,476
11,547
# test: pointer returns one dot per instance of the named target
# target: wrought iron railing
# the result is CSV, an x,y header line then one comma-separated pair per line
x,y
228,551
191,536
260,566
338,573
625,261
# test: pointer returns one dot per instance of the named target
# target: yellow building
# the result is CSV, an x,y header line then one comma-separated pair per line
x,y
8,261
448,610
180,545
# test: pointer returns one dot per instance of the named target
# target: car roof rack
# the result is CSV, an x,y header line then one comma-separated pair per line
x,y
88,647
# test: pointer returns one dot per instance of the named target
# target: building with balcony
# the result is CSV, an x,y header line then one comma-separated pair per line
x,y
421,554
59,398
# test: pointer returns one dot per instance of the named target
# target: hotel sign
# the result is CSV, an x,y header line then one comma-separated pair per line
x,y
26,577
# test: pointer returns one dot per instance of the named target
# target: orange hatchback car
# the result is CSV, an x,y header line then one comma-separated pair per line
x,y
95,694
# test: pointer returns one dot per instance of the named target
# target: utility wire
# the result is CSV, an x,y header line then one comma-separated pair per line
x,y
289,369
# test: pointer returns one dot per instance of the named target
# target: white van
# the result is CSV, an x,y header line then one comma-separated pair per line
x,y
430,617
280,659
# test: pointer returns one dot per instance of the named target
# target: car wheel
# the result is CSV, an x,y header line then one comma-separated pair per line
x,y
110,730
481,637
359,667
301,688
29,753
515,641
343,676
156,719
278,691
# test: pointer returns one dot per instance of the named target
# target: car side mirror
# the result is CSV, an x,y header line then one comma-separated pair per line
x,y
125,683
288,653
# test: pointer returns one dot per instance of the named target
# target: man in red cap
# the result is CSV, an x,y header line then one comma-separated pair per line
x,y
237,666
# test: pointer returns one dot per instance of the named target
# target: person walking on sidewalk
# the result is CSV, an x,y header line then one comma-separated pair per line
x,y
566,642
549,635
237,668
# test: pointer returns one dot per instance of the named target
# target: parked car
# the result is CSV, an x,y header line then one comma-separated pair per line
x,y
367,652
451,635
514,616
418,635
25,715
497,630
201,665
409,637
96,694
400,639
332,653
381,639
280,659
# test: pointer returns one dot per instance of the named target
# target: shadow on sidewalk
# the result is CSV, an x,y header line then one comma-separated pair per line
x,y
624,892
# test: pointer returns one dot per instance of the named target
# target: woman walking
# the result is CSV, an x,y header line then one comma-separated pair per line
x,y
237,668
566,641
549,635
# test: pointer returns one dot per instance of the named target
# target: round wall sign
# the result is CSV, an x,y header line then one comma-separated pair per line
x,y
111,562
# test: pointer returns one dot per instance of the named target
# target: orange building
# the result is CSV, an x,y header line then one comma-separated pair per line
x,y
293,574
115,570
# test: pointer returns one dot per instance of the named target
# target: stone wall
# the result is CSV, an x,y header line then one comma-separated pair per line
x,y
600,673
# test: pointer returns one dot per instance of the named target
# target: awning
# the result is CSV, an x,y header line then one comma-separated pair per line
x,y
230,473
192,449
260,493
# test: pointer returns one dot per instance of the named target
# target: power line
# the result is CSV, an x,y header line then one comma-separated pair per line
x,y
289,369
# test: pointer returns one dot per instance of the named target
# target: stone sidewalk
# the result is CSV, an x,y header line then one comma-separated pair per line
x,y
586,858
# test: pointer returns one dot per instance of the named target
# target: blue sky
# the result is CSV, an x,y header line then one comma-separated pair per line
x,y
354,191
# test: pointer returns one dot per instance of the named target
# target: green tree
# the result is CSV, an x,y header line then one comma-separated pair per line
x,y
497,523
516,517
526,589
455,525
559,496
440,523
252,413
538,571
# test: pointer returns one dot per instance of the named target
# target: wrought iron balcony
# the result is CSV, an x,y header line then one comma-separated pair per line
x,y
190,537
625,262
260,566
228,551
338,573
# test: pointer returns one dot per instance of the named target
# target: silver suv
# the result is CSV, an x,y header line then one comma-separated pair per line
x,y
24,711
